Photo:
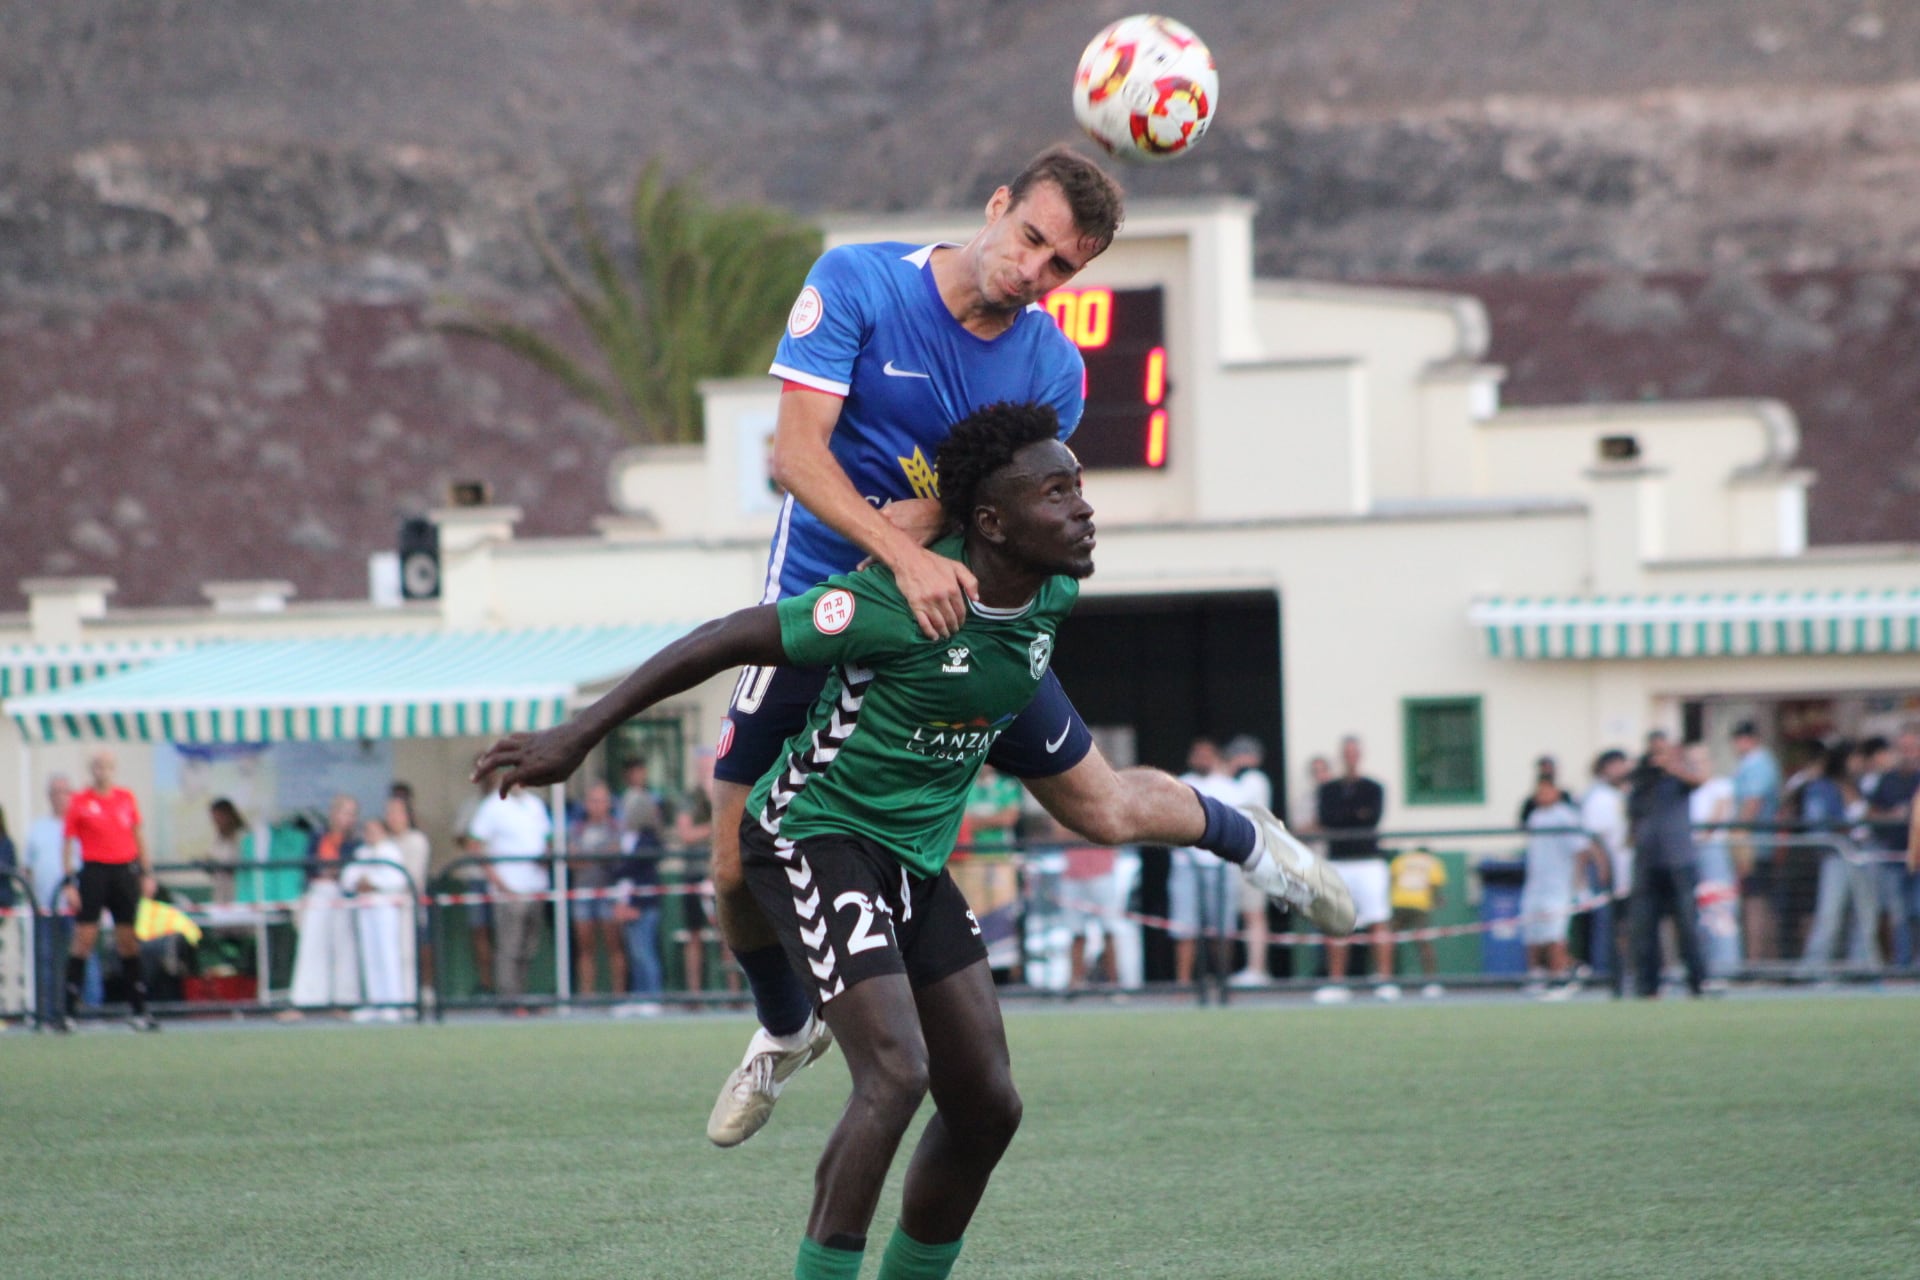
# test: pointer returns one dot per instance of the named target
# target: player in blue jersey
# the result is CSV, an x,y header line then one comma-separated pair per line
x,y
850,828
887,346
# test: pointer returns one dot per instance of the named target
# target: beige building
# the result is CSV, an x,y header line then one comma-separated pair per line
x,y
1316,519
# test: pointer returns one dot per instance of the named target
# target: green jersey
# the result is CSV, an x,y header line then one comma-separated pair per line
x,y
892,746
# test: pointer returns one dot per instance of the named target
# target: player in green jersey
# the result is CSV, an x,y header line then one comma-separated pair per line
x,y
845,841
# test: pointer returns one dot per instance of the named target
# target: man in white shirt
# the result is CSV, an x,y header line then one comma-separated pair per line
x,y
45,864
1200,898
1603,811
1244,756
510,830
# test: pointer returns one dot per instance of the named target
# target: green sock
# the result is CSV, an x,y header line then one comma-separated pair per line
x,y
908,1259
818,1262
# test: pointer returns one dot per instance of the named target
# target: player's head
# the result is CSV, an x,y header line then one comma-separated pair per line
x,y
1093,199
1057,215
102,767
1006,480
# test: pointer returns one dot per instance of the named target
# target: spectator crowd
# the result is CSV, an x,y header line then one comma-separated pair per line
x,y
1655,863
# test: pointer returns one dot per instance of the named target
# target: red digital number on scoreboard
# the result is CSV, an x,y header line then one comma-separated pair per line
x,y
1121,337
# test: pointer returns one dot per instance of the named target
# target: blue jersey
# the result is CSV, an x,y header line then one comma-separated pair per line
x,y
871,328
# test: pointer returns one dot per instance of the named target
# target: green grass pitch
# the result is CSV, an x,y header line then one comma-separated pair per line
x,y
1750,1137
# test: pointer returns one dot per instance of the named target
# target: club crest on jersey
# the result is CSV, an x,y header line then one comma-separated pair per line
x,y
806,313
1039,653
833,611
956,663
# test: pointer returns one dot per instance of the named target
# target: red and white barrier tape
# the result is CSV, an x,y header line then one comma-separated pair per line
x,y
1505,924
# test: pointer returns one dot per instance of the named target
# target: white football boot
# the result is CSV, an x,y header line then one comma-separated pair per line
x,y
1288,870
746,1103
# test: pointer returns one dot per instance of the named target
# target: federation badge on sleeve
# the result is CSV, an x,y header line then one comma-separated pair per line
x,y
833,611
806,313
1039,653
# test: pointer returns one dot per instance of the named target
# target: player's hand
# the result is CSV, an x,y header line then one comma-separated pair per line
x,y
531,759
70,900
149,885
937,590
922,519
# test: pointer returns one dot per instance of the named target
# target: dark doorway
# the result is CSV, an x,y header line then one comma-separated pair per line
x,y
1174,668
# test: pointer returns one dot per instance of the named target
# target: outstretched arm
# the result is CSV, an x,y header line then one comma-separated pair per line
x,y
1131,806
747,637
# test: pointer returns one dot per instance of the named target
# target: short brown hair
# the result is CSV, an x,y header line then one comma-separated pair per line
x,y
1095,200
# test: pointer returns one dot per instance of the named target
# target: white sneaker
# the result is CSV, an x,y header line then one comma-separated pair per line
x,y
639,1009
1298,876
1249,978
1332,995
1388,991
746,1102
1432,991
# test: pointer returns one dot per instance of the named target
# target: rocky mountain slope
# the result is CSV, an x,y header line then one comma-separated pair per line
x,y
223,221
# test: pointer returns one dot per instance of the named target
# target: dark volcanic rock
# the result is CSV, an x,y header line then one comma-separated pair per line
x,y
221,221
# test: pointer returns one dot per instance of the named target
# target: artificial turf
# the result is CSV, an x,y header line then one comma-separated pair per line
x,y
1747,1137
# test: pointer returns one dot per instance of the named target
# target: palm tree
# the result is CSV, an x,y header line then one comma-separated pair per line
x,y
704,296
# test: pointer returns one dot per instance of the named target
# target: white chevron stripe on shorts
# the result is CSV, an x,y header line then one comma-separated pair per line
x,y
813,925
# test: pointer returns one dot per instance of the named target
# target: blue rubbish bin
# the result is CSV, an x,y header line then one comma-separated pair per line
x,y
1501,950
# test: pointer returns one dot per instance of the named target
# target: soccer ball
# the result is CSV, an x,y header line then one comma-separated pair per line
x,y
1146,88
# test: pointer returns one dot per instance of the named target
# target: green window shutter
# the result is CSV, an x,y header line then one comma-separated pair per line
x,y
1444,751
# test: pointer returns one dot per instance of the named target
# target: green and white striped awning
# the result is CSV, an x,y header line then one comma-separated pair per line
x,y
1731,625
422,685
43,668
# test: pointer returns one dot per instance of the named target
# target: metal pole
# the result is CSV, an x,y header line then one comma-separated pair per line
x,y
562,935
262,968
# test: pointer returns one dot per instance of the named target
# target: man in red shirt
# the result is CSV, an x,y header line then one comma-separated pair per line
x,y
114,874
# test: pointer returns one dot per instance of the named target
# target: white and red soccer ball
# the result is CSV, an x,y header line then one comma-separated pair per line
x,y
1146,88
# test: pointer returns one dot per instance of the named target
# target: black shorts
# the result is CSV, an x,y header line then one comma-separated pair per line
x,y
847,910
110,886
770,705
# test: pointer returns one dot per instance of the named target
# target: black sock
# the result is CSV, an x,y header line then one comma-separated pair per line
x,y
76,979
779,997
136,978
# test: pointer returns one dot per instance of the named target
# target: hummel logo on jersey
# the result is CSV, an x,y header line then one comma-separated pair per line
x,y
956,663
892,372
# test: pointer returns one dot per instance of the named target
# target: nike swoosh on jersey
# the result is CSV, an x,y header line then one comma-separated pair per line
x,y
892,372
1056,743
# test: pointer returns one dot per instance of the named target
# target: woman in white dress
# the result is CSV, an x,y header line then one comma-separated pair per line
x,y
416,855
326,967
383,915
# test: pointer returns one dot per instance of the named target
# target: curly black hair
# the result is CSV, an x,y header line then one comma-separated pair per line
x,y
982,443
